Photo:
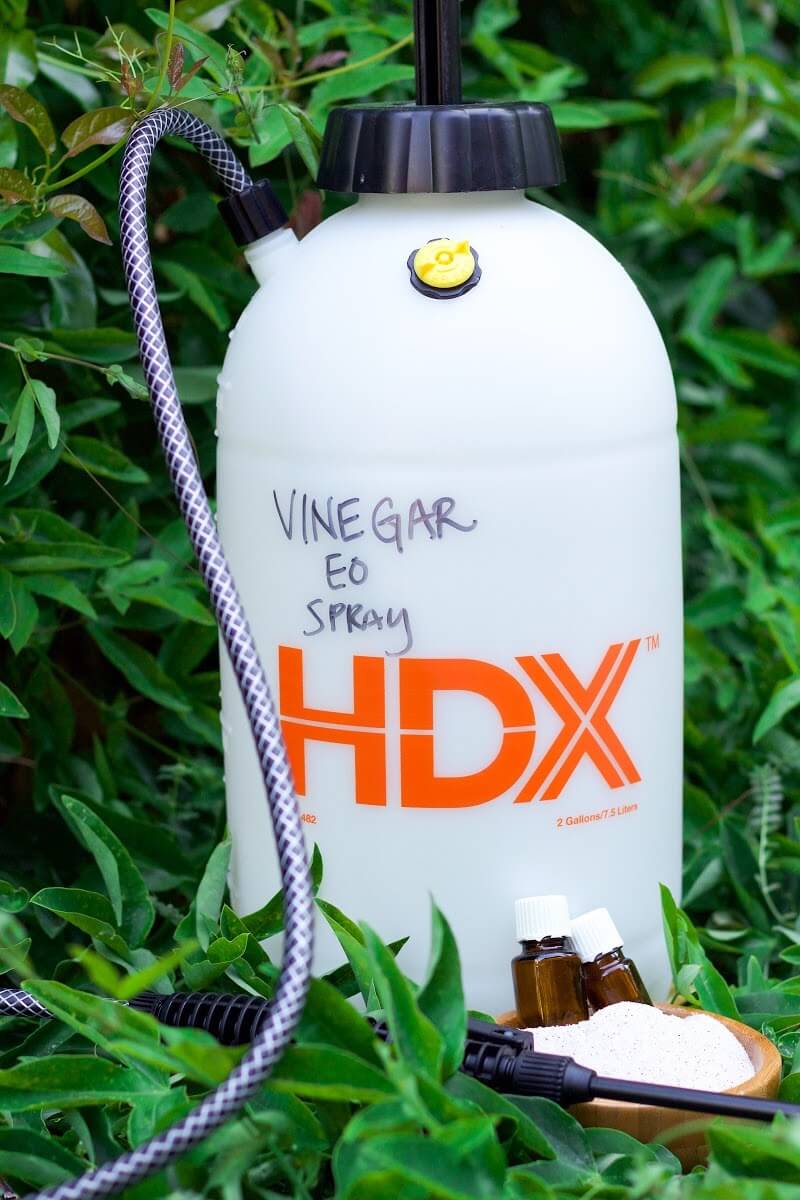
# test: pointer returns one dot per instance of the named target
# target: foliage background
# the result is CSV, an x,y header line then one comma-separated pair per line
x,y
680,124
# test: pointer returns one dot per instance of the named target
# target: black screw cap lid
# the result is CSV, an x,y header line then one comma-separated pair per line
x,y
404,148
253,213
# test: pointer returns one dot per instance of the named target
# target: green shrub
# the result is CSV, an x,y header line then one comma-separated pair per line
x,y
680,125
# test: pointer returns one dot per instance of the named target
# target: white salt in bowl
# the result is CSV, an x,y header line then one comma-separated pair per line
x,y
657,1124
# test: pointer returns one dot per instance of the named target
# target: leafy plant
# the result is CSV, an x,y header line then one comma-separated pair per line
x,y
680,125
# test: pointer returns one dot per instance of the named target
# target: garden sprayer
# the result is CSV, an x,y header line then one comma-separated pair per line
x,y
448,490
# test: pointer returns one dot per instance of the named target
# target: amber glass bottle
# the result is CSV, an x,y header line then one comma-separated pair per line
x,y
608,974
548,982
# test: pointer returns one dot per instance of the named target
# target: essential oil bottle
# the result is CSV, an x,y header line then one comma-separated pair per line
x,y
608,975
548,983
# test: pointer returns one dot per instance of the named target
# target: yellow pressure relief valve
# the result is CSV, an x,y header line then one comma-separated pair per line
x,y
444,268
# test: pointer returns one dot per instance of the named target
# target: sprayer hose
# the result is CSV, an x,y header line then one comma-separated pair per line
x,y
286,1006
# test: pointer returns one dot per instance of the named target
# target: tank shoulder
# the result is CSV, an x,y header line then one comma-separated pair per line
x,y
554,341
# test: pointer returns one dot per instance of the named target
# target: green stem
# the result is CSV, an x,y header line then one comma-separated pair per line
x,y
693,471
631,181
189,568
736,37
67,358
96,162
108,710
99,74
156,93
320,75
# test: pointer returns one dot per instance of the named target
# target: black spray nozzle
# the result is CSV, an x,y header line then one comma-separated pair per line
x,y
437,49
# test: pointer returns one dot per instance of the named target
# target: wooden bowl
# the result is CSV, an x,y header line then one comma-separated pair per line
x,y
655,1124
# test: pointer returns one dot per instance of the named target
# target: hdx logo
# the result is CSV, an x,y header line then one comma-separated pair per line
x,y
583,709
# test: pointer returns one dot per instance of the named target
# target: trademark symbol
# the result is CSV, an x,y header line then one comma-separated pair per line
x,y
653,641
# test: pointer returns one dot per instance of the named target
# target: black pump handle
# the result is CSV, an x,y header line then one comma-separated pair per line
x,y
437,46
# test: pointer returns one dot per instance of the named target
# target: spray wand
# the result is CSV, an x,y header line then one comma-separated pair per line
x,y
501,1058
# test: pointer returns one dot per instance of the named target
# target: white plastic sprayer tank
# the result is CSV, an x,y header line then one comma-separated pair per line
x,y
455,525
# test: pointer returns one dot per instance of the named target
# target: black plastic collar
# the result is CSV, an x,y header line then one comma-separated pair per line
x,y
440,148
253,213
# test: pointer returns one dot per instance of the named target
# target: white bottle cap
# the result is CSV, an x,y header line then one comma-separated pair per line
x,y
542,916
595,933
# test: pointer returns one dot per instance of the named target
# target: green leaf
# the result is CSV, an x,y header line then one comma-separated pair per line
x,y
203,44
176,598
77,208
441,999
74,296
758,350
8,607
63,591
672,70
88,911
327,1073
105,346
274,136
362,81
493,16
598,114
100,127
102,1022
196,289
12,899
20,427
27,611
91,454
141,670
59,556
17,57
45,399
68,1081
571,1162
463,1162
126,889
351,939
623,112
14,261
221,954
783,700
708,294
329,1018
211,892
570,114
16,187
144,980
416,1040
116,375
9,148
10,705
26,109
749,1152
303,134
526,1131
39,1160
684,949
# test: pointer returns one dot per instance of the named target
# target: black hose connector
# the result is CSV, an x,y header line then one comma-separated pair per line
x,y
253,213
232,1020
